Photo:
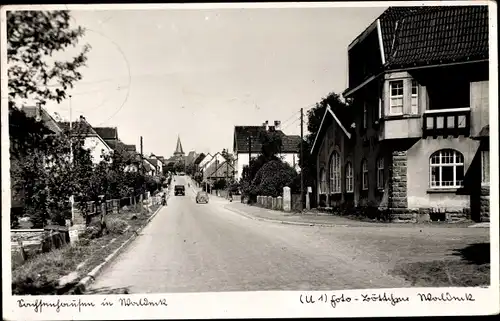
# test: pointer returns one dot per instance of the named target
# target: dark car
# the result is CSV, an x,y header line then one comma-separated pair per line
x,y
202,197
180,190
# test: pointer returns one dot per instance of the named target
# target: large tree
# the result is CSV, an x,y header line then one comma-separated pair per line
x,y
314,117
40,166
33,40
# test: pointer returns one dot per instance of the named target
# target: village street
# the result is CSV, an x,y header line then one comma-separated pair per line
x,y
191,247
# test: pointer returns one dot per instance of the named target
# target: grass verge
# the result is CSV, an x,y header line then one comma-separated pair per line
x,y
40,275
445,273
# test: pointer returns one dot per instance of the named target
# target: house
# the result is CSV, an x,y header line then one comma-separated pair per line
x,y
246,145
202,165
40,114
198,160
191,156
211,166
149,168
414,139
219,169
93,141
156,163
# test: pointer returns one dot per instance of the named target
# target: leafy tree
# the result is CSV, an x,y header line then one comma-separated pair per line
x,y
273,177
271,143
314,117
33,38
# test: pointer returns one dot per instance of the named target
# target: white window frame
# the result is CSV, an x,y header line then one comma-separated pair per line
x,y
364,174
335,170
393,97
485,175
380,173
458,161
349,178
414,97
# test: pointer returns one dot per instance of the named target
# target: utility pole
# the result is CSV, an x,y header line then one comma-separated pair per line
x,y
142,167
302,154
249,149
70,132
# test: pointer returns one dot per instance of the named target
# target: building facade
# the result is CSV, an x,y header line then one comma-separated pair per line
x,y
413,138
247,145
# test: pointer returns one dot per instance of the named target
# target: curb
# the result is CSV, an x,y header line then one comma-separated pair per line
x,y
280,221
91,276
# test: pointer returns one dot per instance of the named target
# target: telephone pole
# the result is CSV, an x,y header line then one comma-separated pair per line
x,y
142,168
249,149
302,154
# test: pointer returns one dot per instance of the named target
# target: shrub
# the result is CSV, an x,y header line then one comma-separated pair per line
x,y
272,177
116,225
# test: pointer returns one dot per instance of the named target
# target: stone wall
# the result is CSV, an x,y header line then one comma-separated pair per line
x,y
398,180
485,204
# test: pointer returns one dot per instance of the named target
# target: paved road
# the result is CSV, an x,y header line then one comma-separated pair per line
x,y
191,247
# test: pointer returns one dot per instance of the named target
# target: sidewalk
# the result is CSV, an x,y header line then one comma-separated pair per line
x,y
326,220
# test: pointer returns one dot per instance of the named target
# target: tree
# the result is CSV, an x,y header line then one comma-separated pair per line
x,y
273,177
33,38
314,117
271,143
227,156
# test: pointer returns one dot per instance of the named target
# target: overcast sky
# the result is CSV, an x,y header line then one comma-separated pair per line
x,y
198,73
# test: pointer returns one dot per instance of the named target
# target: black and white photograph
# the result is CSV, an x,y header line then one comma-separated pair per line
x,y
318,159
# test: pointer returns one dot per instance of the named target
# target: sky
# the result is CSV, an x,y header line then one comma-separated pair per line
x,y
198,73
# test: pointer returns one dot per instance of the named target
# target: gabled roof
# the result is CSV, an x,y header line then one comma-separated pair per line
x,y
242,134
45,117
80,127
107,133
199,158
290,144
341,116
223,169
440,35
414,37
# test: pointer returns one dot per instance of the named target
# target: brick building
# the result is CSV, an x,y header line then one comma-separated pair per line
x,y
414,138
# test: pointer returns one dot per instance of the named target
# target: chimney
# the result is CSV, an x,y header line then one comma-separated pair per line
x,y
266,125
277,124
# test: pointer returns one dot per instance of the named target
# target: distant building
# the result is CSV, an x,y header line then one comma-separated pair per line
x,y
247,144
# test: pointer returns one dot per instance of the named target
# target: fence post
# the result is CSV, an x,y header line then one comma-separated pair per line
x,y
287,199
78,223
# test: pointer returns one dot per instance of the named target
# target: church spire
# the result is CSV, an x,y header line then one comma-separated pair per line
x,y
178,149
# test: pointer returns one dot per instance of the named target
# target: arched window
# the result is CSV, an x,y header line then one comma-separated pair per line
x,y
322,183
380,173
335,173
446,169
364,170
349,184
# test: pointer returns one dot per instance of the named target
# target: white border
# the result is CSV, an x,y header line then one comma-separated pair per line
x,y
259,304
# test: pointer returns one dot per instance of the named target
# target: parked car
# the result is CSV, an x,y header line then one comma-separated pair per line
x,y
202,197
180,190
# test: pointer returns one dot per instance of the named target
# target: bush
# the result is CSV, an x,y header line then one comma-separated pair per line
x,y
273,177
116,225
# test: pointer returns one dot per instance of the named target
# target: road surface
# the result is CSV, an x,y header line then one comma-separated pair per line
x,y
191,247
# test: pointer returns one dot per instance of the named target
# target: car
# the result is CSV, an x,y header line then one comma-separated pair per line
x,y
180,190
202,197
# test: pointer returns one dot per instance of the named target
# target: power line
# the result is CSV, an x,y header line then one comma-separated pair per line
x,y
129,76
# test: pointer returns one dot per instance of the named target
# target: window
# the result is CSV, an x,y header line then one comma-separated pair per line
x,y
365,119
335,173
364,168
485,167
322,185
396,99
447,169
414,97
380,173
349,186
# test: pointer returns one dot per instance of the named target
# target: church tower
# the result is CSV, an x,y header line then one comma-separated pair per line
x,y
179,152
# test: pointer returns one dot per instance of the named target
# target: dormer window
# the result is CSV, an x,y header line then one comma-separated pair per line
x,y
396,97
